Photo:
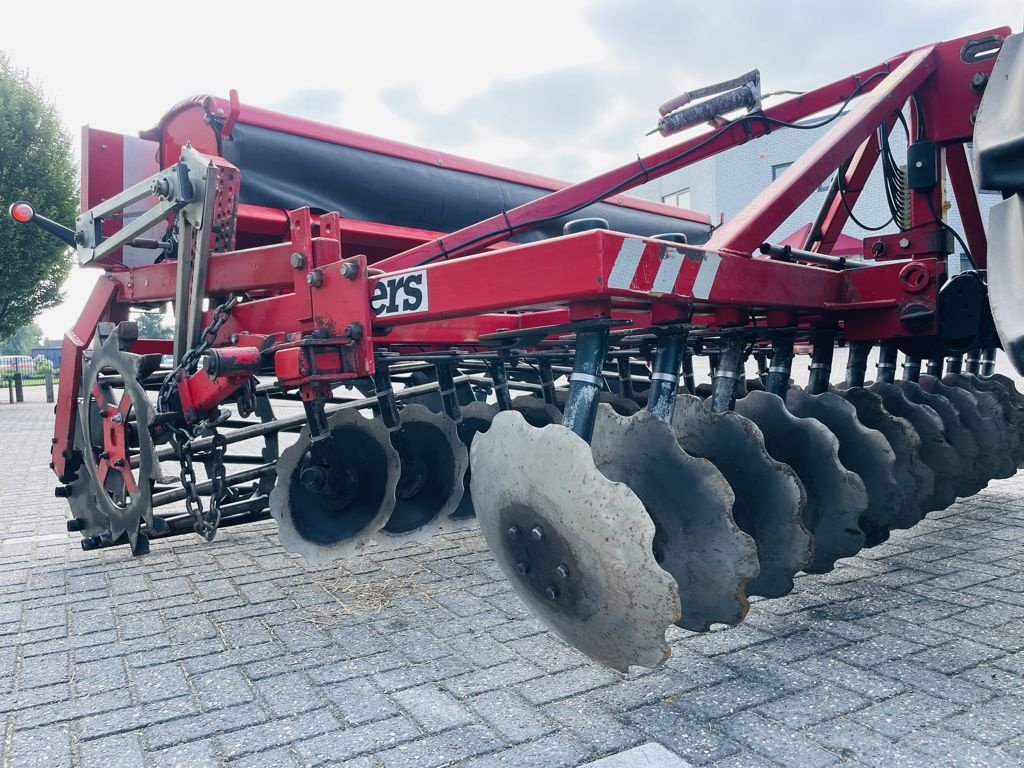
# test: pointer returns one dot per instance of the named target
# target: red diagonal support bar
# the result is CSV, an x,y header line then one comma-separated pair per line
x,y
857,175
566,201
755,223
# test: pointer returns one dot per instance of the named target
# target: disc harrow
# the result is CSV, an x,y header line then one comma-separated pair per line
x,y
604,385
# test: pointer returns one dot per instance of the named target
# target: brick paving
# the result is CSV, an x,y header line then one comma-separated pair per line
x,y
235,653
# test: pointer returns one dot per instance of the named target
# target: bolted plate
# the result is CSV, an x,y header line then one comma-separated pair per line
x,y
1010,423
936,450
978,409
536,412
769,497
913,475
696,539
861,450
476,418
318,525
967,480
590,574
836,497
436,450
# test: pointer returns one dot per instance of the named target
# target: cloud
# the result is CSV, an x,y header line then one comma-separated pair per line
x,y
321,104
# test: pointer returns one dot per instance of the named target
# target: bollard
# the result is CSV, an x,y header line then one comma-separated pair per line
x,y
49,385
10,391
19,390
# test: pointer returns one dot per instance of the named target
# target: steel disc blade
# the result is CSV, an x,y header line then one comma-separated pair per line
x,y
1016,399
322,526
696,539
965,480
476,418
936,451
536,412
1001,442
769,497
861,450
437,452
1004,414
992,459
621,405
590,574
836,497
914,476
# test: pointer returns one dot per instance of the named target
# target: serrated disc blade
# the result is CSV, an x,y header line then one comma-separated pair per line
x,y
769,497
914,476
536,412
320,526
993,462
476,418
696,538
1004,414
614,602
986,406
836,497
966,480
1016,399
936,451
861,450
434,445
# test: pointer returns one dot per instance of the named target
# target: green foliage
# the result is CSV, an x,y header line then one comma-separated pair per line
x,y
36,165
152,326
41,365
22,340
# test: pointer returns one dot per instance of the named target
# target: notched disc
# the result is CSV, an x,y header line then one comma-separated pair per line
x,y
1009,424
936,451
966,480
331,524
431,485
696,539
977,413
769,497
861,450
577,547
914,476
1016,400
836,497
476,418
536,412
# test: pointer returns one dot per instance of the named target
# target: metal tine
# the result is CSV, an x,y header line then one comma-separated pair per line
x,y
577,546
769,496
965,479
993,461
696,538
836,497
862,450
476,417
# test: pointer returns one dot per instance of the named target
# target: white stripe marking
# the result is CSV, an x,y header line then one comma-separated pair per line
x,y
626,263
705,279
668,271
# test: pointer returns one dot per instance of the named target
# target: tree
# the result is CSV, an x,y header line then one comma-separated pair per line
x,y
36,165
22,340
152,326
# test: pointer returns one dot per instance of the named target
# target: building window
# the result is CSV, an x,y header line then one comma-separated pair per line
x,y
680,198
778,169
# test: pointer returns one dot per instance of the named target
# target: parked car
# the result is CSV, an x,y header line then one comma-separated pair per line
x,y
11,364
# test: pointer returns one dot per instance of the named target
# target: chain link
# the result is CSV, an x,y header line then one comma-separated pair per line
x,y
206,521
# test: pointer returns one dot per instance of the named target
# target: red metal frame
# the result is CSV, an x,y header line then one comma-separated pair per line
x,y
317,310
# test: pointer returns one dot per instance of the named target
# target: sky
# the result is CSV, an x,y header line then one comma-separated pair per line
x,y
566,88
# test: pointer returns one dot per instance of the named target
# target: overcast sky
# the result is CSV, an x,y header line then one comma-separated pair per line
x,y
566,88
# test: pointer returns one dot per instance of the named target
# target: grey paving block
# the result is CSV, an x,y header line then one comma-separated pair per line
x,y
288,694
359,701
204,725
434,709
163,681
121,751
200,753
776,742
650,755
337,746
813,705
263,737
561,685
47,747
222,688
683,734
442,749
600,729
907,712
991,723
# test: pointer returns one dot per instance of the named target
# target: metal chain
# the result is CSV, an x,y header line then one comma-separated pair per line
x,y
206,521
